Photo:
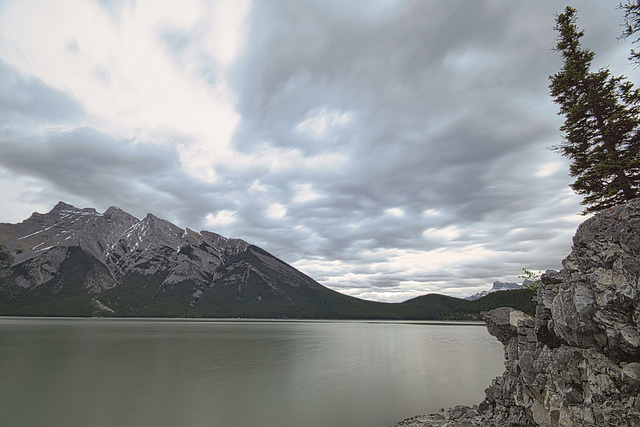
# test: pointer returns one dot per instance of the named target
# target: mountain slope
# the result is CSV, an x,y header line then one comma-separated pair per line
x,y
79,262
74,261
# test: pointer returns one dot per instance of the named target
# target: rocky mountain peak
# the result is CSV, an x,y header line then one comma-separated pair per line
x,y
145,267
123,244
63,206
116,212
163,225
496,287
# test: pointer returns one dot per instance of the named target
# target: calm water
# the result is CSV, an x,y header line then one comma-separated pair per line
x,y
114,372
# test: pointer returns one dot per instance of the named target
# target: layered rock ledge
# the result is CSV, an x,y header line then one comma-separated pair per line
x,y
577,362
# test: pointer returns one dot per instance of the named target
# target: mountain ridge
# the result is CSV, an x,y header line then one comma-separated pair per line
x,y
73,261
497,287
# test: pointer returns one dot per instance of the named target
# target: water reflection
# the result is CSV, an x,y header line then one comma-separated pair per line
x,y
106,372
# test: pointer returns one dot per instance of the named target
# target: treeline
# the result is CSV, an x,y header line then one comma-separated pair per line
x,y
126,302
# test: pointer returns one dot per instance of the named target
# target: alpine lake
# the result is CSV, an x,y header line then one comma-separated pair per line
x,y
88,372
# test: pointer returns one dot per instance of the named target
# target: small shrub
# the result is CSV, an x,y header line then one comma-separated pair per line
x,y
532,279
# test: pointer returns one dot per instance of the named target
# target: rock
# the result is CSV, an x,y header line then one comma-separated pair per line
x,y
631,373
550,278
499,324
460,416
577,363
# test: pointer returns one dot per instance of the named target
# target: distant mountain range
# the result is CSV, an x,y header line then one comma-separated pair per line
x,y
497,286
79,262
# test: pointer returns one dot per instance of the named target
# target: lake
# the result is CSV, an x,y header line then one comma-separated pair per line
x,y
141,372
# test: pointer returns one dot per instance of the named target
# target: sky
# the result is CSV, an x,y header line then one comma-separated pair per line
x,y
386,148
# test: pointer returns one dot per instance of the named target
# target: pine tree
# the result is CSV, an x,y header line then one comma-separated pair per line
x,y
601,123
631,25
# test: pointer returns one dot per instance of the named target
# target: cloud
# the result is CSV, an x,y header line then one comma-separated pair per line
x,y
387,149
29,101
447,233
85,166
396,212
276,211
319,123
223,217
124,74
305,193
547,169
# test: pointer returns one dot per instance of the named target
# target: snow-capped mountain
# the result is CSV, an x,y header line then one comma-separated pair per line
x,y
80,262
108,254
497,286
120,242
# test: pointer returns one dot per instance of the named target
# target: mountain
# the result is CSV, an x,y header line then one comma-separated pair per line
x,y
448,308
497,286
79,262
72,261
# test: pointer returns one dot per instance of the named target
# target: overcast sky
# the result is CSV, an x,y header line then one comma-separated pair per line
x,y
386,148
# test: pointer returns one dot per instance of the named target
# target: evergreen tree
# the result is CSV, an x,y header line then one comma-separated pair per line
x,y
631,25
601,123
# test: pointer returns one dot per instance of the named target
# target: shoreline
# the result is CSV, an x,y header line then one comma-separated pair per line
x,y
256,320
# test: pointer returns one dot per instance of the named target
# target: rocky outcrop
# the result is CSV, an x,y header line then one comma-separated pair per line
x,y
577,362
